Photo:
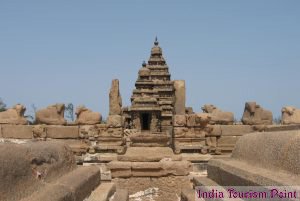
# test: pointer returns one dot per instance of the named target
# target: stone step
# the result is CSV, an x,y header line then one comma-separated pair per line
x,y
103,192
74,186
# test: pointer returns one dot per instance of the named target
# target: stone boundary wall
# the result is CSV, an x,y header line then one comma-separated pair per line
x,y
111,137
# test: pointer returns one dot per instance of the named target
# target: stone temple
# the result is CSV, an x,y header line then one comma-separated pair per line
x,y
156,149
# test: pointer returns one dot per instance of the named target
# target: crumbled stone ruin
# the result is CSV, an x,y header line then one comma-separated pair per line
x,y
156,149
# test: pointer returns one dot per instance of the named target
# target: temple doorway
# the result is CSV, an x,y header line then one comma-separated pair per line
x,y
145,121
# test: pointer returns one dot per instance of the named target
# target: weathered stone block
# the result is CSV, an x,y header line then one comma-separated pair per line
x,y
87,131
119,165
17,131
114,121
146,165
179,120
190,120
236,130
198,132
211,142
227,140
180,131
82,181
103,192
121,195
61,132
216,130
177,168
52,192
120,169
148,154
115,132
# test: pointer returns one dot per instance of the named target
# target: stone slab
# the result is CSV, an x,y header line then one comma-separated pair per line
x,y
62,132
119,165
146,165
148,154
81,181
236,130
272,128
121,195
52,193
103,192
217,130
196,157
227,140
17,131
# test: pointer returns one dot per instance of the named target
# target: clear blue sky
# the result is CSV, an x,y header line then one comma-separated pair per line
x,y
228,52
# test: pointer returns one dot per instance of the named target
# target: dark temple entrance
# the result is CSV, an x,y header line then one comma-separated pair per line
x,y
145,121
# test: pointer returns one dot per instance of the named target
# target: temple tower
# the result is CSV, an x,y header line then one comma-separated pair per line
x,y
152,101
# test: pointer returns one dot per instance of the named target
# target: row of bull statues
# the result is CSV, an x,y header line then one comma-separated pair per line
x,y
51,115
253,114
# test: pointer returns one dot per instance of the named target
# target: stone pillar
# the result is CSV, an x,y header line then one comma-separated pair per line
x,y
179,106
115,100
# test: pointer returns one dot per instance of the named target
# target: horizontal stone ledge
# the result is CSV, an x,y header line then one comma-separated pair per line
x,y
236,130
62,132
16,131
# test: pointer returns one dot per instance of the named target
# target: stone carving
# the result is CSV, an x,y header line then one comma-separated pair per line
x,y
198,119
86,116
202,119
39,131
14,115
115,100
179,120
255,114
90,132
114,121
290,115
52,115
115,132
218,116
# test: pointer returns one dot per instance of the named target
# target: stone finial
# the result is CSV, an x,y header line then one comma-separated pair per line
x,y
115,100
156,41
